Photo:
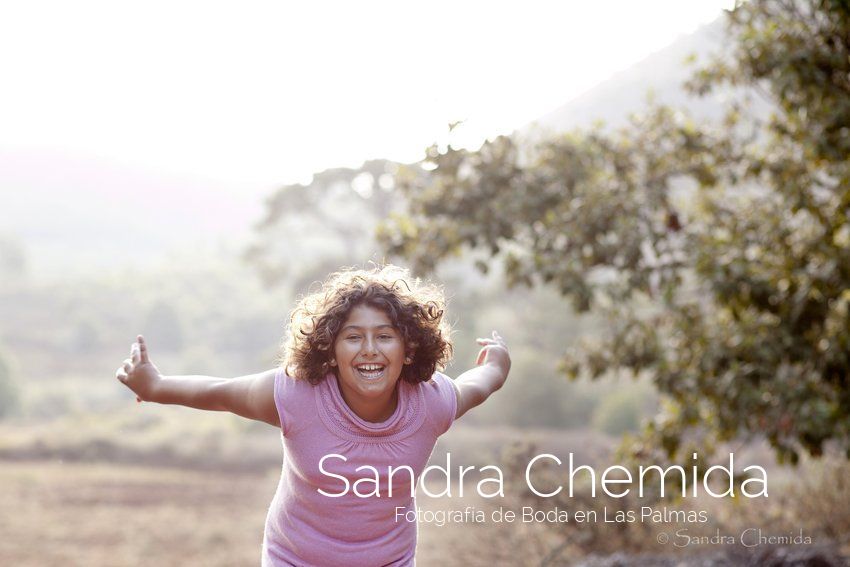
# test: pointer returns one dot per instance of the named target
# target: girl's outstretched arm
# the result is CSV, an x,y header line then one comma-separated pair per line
x,y
475,385
250,396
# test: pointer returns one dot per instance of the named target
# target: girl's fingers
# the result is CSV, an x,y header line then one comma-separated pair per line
x,y
143,349
499,340
122,377
496,338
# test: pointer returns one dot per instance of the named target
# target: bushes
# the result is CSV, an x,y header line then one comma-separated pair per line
x,y
622,410
8,389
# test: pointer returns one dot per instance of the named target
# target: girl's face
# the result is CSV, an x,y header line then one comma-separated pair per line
x,y
369,354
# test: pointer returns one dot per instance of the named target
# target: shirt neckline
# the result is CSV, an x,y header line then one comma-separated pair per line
x,y
338,417
376,426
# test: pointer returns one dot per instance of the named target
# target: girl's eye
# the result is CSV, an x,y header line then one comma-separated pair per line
x,y
352,337
385,337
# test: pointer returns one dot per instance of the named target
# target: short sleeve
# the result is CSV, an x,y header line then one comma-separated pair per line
x,y
441,397
285,398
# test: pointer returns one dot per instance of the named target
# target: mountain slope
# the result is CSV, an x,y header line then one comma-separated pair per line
x,y
625,92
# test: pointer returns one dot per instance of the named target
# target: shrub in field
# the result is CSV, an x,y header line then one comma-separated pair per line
x,y
819,499
8,389
816,499
622,410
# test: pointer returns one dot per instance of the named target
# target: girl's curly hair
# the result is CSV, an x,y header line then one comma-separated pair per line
x,y
415,309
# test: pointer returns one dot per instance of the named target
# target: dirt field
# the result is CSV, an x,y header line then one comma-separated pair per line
x,y
93,515
54,513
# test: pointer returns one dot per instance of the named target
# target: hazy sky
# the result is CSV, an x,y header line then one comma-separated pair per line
x,y
260,93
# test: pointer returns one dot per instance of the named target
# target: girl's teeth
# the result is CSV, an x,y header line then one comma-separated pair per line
x,y
371,373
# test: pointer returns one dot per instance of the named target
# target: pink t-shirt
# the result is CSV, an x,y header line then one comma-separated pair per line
x,y
305,527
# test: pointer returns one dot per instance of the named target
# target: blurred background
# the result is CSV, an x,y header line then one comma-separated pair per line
x,y
650,201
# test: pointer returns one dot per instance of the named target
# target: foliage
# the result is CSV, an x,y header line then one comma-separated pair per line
x,y
813,497
721,252
621,411
206,305
8,388
9,392
310,231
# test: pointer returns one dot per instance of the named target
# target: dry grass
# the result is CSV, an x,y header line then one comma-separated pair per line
x,y
100,514
54,513
61,514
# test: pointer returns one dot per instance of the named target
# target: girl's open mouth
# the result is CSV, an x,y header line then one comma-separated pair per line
x,y
370,371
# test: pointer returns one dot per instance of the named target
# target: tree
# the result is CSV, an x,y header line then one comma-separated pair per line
x,y
720,251
310,231
8,388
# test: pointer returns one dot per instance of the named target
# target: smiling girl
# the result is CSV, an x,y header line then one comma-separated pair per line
x,y
358,378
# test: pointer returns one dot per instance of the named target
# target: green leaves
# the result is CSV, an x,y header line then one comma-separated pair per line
x,y
720,250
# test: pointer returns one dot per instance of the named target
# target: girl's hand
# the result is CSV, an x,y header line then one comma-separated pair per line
x,y
138,373
494,351
475,385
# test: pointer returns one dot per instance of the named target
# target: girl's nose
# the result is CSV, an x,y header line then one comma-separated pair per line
x,y
370,346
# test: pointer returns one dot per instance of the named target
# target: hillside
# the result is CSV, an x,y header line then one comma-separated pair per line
x,y
71,212
662,73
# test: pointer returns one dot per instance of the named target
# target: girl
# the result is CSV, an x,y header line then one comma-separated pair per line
x,y
357,390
